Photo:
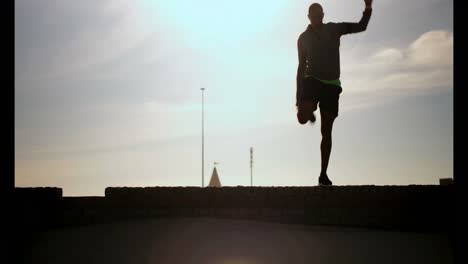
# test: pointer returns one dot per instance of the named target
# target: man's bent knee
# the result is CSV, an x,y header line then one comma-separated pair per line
x,y
309,106
302,118
305,111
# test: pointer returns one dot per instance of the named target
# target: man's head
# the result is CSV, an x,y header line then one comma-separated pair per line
x,y
315,14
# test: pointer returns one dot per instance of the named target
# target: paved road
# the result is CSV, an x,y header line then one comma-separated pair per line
x,y
225,241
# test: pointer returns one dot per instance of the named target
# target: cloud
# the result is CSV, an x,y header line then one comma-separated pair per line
x,y
423,66
389,55
434,49
62,38
108,126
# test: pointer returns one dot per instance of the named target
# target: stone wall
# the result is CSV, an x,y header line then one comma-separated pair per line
x,y
414,207
400,207
37,208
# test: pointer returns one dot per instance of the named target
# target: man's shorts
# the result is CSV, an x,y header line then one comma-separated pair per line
x,y
326,95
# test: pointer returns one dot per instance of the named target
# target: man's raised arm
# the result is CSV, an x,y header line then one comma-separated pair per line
x,y
349,28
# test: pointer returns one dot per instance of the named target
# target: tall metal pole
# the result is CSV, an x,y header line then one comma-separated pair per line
x,y
251,164
203,137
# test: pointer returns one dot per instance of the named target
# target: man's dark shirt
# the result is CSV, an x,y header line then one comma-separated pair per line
x,y
320,49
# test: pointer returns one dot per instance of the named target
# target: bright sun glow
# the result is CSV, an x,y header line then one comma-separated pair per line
x,y
208,22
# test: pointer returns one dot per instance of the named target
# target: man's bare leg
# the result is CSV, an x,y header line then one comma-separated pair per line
x,y
325,147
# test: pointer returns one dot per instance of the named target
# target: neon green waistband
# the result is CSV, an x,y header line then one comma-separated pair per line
x,y
336,82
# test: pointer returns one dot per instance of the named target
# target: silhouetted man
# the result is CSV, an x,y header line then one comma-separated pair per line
x,y
318,74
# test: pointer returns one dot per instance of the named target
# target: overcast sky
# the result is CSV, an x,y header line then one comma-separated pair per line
x,y
107,93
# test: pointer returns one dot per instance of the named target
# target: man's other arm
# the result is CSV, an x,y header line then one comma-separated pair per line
x,y
300,71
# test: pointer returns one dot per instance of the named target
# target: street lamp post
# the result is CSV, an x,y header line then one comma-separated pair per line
x,y
203,138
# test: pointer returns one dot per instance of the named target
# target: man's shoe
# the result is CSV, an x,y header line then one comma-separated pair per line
x,y
312,119
324,181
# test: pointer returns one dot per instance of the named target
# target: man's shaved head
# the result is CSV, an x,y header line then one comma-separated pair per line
x,y
315,14
315,7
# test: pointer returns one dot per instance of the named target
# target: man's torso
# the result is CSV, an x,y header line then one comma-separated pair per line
x,y
321,50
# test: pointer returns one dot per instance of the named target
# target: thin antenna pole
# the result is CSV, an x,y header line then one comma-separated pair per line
x,y
251,164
